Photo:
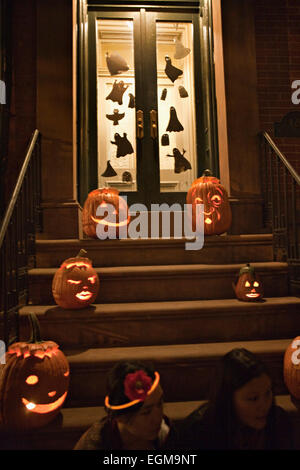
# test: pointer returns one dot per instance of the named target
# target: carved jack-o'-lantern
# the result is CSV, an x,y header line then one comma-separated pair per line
x,y
208,191
34,382
106,199
248,287
291,368
75,284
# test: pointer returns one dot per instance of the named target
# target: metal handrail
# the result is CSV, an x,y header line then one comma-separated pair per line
x,y
18,186
280,187
282,158
21,221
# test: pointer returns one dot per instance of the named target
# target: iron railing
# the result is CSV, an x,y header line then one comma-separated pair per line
x,y
281,189
17,240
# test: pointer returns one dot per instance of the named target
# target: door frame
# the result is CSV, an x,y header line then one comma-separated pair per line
x,y
206,130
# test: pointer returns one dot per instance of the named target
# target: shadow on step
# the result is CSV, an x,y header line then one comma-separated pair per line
x,y
71,423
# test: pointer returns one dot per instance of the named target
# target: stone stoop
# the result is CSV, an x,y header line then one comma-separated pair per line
x,y
159,303
190,366
162,283
217,249
168,322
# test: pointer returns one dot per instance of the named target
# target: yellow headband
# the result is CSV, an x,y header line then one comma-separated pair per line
x,y
134,402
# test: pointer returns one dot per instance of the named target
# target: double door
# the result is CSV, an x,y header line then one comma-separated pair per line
x,y
147,105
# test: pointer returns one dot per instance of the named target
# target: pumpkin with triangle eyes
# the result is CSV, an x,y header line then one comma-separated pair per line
x,y
248,287
208,191
113,208
75,284
33,383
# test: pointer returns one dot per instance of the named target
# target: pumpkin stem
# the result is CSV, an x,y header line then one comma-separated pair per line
x,y
207,172
82,253
35,329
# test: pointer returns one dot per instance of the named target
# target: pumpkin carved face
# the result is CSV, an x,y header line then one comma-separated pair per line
x,y
34,384
76,284
291,368
106,199
208,191
248,287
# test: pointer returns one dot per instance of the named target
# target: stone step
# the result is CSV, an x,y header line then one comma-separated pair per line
x,y
187,370
172,322
64,432
164,283
141,252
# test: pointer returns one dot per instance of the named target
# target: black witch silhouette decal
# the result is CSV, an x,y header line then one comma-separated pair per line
x,y
131,103
171,71
174,124
124,147
109,170
116,64
117,92
115,117
181,163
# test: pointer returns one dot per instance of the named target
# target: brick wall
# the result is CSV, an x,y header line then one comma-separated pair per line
x,y
23,99
277,25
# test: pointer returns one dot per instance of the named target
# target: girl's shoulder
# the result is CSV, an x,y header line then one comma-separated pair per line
x,y
91,439
198,416
102,435
193,431
282,417
282,426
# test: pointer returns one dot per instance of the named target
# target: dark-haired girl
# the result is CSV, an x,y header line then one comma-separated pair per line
x,y
241,413
134,406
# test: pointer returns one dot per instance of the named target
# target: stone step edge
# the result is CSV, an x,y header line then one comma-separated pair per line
x,y
173,270
45,244
134,310
104,358
174,410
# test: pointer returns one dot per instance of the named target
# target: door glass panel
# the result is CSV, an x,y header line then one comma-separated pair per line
x,y
176,108
116,105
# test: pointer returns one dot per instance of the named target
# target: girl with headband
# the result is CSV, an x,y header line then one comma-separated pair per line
x,y
134,406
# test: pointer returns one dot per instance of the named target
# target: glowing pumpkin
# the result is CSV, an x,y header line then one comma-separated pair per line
x,y
248,287
207,190
75,284
106,199
34,382
291,368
